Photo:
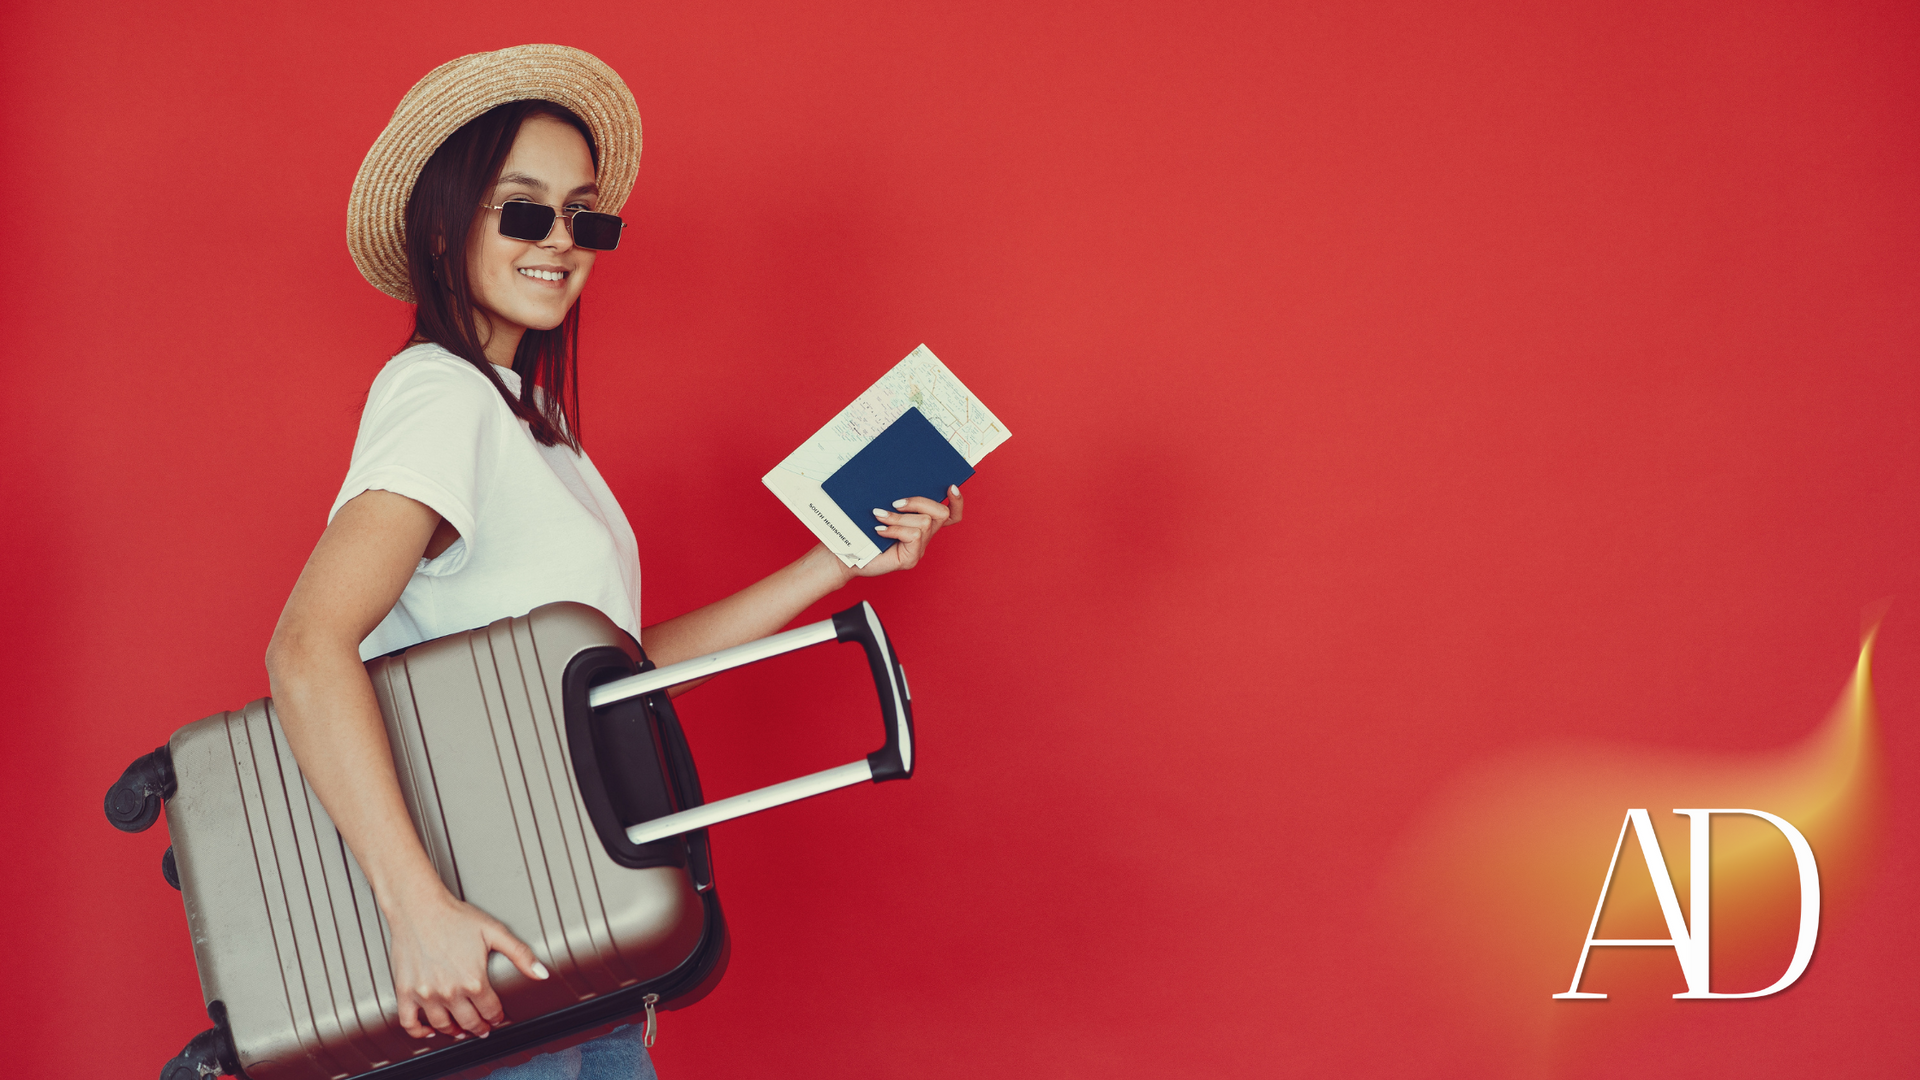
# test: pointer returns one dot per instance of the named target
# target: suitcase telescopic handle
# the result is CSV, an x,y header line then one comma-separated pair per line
x,y
893,761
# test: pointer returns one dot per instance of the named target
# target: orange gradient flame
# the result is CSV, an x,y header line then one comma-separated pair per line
x,y
1495,887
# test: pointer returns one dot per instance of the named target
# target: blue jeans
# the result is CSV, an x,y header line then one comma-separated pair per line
x,y
615,1056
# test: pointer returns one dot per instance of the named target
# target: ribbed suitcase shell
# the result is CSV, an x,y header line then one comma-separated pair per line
x,y
284,925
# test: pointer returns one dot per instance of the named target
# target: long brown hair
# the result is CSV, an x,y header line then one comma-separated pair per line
x,y
440,219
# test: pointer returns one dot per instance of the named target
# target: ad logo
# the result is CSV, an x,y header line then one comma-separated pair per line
x,y
1491,891
1691,944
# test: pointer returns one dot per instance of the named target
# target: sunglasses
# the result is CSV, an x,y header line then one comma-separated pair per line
x,y
532,221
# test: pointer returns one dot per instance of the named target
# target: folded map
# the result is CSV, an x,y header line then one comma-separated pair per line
x,y
874,447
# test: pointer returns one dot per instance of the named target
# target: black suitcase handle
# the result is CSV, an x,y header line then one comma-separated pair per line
x,y
893,761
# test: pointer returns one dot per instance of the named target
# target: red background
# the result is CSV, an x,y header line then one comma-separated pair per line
x,y
1393,386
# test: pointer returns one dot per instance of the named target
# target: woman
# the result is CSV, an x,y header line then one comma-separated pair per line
x,y
469,499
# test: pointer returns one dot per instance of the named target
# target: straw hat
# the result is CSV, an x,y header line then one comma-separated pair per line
x,y
456,92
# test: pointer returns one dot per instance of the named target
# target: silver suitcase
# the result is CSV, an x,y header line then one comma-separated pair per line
x,y
552,787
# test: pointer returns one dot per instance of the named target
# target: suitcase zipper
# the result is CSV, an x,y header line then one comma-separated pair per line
x,y
647,1034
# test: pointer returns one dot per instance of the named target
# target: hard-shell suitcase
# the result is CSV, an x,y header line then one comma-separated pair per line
x,y
551,786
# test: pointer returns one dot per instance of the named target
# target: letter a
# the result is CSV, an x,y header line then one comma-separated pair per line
x,y
1690,949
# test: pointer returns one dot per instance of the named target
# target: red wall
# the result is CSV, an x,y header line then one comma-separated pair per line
x,y
1396,388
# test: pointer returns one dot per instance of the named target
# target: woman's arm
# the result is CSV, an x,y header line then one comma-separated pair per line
x,y
332,721
772,602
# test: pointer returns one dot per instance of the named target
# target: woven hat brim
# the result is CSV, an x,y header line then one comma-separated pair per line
x,y
456,92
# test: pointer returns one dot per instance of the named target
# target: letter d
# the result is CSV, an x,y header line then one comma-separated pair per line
x,y
1701,862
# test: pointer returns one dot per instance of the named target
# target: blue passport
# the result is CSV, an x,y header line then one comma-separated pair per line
x,y
909,458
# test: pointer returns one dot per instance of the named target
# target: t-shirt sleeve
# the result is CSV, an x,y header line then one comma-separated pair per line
x,y
431,432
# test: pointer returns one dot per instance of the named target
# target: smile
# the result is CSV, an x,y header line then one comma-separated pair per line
x,y
544,275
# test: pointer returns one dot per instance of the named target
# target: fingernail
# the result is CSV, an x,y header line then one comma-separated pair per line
x,y
540,970
899,504
879,528
484,1034
953,489
460,1036
881,514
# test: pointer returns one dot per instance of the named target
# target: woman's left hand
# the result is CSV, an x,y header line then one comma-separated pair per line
x,y
912,523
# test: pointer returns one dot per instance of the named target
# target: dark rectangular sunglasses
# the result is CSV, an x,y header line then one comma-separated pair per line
x,y
532,221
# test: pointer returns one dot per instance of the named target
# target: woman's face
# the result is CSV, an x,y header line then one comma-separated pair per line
x,y
529,285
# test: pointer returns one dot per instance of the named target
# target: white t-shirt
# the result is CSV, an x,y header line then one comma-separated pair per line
x,y
537,523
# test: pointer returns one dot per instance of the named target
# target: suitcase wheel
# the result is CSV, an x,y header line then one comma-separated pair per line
x,y
169,870
210,1053
133,802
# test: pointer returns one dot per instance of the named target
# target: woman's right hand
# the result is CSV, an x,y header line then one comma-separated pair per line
x,y
440,950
